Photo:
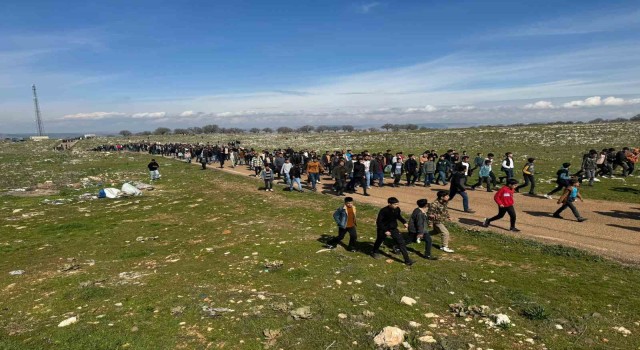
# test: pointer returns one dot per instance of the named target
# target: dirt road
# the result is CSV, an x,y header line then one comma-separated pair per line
x,y
612,229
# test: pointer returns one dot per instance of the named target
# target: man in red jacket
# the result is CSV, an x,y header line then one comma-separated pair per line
x,y
504,198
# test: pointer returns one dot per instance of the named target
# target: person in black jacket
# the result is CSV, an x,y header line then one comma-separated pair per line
x,y
387,225
359,177
411,167
458,180
153,169
419,227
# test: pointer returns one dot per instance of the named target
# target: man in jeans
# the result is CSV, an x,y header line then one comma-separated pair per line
x,y
345,218
286,168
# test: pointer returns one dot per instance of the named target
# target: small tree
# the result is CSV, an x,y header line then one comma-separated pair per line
x,y
387,126
305,129
254,130
284,130
180,131
162,131
348,128
322,128
411,127
267,130
372,129
635,119
195,130
125,133
211,129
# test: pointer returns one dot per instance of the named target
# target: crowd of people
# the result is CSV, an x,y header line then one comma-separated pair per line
x,y
350,171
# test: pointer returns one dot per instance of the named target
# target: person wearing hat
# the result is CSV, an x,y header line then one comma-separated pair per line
x,y
528,174
562,179
387,225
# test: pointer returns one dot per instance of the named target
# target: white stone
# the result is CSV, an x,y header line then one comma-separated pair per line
x,y
408,301
622,330
389,337
342,316
427,339
530,341
414,324
68,321
502,319
339,282
558,326
430,315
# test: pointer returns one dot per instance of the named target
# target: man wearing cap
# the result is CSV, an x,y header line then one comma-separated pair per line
x,y
387,225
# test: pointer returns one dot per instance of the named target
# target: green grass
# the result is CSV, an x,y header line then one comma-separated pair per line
x,y
210,224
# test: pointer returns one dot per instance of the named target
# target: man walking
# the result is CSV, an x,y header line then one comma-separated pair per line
x,y
504,199
387,225
345,218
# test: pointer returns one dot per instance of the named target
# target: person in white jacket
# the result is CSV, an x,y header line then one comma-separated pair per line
x,y
507,167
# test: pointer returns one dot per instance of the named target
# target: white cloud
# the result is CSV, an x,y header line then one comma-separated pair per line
x,y
613,101
539,105
149,115
187,114
427,108
366,8
462,108
92,116
596,101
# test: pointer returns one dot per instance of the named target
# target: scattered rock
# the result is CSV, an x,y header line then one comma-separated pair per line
x,y
215,311
427,339
414,324
460,310
501,319
430,315
622,330
301,313
69,267
273,265
389,337
177,310
68,321
530,341
282,307
367,313
559,326
16,272
342,316
408,301
357,298
271,336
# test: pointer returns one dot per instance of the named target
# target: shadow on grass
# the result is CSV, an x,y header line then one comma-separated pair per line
x,y
626,190
472,222
630,228
620,214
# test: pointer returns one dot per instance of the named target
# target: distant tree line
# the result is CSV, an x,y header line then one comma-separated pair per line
x,y
215,129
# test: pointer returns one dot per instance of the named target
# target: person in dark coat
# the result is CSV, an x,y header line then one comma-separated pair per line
x,y
458,180
419,227
387,225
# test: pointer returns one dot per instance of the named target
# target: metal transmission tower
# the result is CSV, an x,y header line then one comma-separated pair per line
x,y
38,116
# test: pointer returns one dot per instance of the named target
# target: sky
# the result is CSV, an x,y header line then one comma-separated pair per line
x,y
137,65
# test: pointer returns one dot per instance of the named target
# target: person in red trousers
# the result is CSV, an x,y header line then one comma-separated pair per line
x,y
504,199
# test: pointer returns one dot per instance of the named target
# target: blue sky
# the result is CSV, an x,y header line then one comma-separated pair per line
x,y
137,65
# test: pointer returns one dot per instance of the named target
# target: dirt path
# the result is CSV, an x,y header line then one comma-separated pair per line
x,y
612,229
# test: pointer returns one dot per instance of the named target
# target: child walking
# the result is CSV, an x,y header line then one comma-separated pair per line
x,y
569,196
267,175
504,199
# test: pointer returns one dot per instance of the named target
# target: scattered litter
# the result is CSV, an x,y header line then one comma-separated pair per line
x,y
130,190
143,186
16,272
502,319
55,201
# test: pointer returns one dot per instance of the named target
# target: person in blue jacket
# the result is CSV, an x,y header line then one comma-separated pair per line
x,y
345,218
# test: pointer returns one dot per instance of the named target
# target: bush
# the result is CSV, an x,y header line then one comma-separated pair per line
x,y
535,312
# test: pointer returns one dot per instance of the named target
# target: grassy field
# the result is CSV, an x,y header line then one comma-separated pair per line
x,y
184,266
551,145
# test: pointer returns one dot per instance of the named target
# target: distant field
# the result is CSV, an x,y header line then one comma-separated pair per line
x,y
145,272
551,145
